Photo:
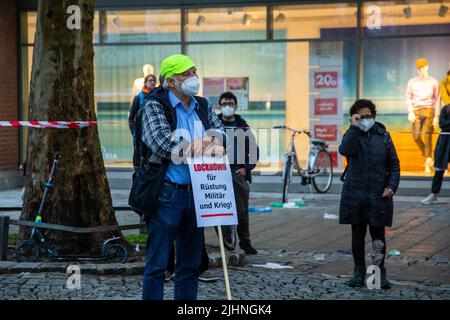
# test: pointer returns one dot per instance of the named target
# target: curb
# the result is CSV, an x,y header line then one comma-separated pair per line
x,y
234,259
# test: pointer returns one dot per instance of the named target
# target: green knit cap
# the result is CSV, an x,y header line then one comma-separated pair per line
x,y
176,64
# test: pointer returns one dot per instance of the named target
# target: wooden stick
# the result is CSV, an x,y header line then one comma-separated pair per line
x,y
224,264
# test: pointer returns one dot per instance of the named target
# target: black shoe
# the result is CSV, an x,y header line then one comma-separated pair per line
x,y
247,247
359,275
384,282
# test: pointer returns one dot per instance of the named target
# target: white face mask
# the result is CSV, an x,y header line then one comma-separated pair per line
x,y
365,124
227,111
190,86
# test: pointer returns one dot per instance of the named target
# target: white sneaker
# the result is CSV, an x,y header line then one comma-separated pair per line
x,y
430,199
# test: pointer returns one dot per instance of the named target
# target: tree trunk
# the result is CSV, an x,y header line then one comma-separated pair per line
x,y
62,88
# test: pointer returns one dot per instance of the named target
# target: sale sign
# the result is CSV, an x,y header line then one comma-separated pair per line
x,y
325,79
325,106
212,186
326,132
326,95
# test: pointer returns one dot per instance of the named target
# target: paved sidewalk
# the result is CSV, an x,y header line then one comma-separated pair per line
x,y
317,249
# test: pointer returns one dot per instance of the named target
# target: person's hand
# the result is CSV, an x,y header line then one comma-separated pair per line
x,y
411,116
354,119
242,171
214,151
436,122
388,193
206,141
195,148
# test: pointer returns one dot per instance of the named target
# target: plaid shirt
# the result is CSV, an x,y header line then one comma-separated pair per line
x,y
157,134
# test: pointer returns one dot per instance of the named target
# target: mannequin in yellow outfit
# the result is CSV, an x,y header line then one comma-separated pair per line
x,y
445,89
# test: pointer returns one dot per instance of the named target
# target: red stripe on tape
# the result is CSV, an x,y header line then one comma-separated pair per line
x,y
216,215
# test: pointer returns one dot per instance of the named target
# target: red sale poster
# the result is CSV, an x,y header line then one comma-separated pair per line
x,y
327,79
325,106
326,132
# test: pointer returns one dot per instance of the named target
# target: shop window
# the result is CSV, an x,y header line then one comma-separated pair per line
x,y
319,21
412,17
225,24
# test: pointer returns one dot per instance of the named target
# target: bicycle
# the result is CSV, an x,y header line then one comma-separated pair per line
x,y
319,166
31,249
229,234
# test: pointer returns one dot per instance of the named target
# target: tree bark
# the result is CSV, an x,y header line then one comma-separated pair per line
x,y
62,88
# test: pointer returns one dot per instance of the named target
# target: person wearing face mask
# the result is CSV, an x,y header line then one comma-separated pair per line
x,y
140,99
175,123
371,178
245,156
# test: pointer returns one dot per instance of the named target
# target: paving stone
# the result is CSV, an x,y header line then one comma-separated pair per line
x,y
5,266
24,267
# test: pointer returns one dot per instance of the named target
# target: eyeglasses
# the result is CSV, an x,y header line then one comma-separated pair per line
x,y
151,80
231,104
366,117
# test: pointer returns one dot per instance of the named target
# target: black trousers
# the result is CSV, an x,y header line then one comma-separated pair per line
x,y
358,242
242,196
437,181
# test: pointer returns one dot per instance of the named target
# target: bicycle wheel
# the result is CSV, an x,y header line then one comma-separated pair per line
x,y
229,234
286,177
27,251
323,164
229,237
116,253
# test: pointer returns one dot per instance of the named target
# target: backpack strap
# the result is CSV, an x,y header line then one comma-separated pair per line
x,y
141,99
202,111
344,173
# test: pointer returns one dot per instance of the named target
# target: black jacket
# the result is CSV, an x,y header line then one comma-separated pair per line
x,y
249,140
372,166
442,150
134,108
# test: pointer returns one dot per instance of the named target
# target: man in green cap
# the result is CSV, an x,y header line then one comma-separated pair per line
x,y
175,122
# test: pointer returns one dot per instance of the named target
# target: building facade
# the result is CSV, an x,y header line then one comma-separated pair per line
x,y
295,63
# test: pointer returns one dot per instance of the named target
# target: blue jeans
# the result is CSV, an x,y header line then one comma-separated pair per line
x,y
174,220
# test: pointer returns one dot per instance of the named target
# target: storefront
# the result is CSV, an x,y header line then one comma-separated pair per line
x,y
294,63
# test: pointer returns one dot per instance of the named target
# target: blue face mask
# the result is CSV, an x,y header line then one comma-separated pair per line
x,y
365,124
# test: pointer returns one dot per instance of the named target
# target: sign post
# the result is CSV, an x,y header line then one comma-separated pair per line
x,y
212,186
224,264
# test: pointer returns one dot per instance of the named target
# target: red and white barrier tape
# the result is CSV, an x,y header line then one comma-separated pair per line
x,y
49,124
84,124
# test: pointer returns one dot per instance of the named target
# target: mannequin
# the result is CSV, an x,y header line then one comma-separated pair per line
x,y
422,100
138,83
445,89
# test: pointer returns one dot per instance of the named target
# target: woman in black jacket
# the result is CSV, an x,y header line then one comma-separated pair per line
x,y
371,178
140,99
441,155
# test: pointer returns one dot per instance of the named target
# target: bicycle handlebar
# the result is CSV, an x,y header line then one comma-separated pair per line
x,y
299,131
